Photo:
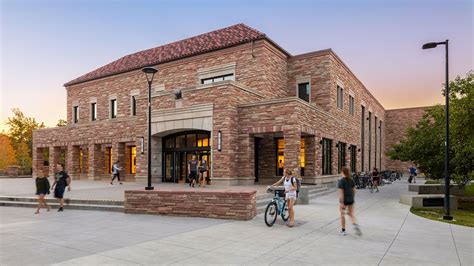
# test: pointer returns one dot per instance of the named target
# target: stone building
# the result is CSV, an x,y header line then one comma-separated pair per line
x,y
231,96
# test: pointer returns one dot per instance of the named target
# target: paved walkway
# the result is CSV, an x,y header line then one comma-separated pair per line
x,y
392,235
85,189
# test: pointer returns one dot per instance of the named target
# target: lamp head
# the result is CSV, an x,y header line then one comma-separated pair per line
x,y
149,73
429,45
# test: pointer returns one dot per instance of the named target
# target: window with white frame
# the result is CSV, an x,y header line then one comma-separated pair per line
x,y
113,108
351,105
340,97
217,79
93,111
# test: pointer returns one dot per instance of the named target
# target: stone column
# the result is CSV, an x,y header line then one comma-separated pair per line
x,y
246,159
72,161
96,162
54,153
37,162
292,138
156,158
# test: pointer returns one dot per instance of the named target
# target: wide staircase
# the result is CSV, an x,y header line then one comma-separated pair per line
x,y
76,204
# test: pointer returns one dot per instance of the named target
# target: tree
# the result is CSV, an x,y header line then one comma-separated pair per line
x,y
424,144
21,136
61,123
8,156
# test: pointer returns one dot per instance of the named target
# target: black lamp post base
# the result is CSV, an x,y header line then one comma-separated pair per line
x,y
447,217
149,188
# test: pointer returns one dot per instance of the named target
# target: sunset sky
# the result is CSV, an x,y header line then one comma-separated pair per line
x,y
47,43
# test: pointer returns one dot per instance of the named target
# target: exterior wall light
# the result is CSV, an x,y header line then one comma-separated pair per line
x,y
219,140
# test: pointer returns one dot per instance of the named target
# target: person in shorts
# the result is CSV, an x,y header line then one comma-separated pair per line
x,y
62,180
346,200
290,184
42,189
202,166
192,170
375,180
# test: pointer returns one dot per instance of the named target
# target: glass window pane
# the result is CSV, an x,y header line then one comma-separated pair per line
x,y
191,140
181,141
203,140
169,143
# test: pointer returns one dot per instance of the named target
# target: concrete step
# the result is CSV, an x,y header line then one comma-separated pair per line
x,y
66,201
90,207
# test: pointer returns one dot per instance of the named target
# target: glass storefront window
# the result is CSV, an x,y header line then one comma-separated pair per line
x,y
181,141
80,160
280,156
169,143
108,160
133,159
203,140
191,140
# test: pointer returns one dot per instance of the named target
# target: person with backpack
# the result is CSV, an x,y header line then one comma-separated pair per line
x,y
42,189
412,171
290,183
62,181
116,172
346,200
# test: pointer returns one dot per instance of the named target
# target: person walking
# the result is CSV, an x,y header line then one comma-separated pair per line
x,y
202,166
192,170
346,200
375,180
116,172
412,171
62,180
42,189
289,182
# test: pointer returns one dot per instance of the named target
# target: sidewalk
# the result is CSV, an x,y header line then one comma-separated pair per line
x,y
391,235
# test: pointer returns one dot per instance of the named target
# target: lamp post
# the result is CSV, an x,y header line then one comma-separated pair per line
x,y
149,73
447,214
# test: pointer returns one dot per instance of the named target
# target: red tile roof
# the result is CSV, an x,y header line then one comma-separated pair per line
x,y
214,40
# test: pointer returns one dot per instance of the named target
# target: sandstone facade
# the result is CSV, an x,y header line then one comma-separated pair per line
x,y
244,116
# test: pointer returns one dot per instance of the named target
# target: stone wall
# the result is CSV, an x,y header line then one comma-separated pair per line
x,y
398,121
221,204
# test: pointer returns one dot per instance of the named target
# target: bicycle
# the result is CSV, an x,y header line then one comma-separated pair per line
x,y
276,207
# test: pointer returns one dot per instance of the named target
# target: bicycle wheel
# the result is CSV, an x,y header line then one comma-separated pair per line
x,y
271,213
285,213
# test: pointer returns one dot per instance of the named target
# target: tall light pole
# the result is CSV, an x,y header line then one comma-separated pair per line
x,y
447,213
149,73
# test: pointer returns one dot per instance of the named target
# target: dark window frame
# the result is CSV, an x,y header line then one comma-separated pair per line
x,y
327,156
217,78
362,139
341,156
134,105
351,105
340,97
75,114
353,156
307,91
370,140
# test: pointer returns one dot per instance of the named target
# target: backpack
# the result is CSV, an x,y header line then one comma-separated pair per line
x,y
298,184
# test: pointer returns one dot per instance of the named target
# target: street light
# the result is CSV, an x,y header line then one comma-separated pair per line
x,y
149,73
447,214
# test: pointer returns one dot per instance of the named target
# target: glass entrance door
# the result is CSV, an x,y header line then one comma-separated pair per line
x,y
168,173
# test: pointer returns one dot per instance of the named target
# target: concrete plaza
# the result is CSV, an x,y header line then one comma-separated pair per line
x,y
391,235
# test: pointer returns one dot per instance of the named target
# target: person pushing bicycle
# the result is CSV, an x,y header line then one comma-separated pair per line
x,y
290,184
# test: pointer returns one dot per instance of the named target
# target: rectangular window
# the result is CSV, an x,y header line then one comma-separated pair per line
x,y
93,111
134,106
108,160
133,159
375,141
217,79
380,139
280,144
340,97
327,156
81,166
370,141
113,108
351,105
304,91
341,156
362,139
75,114
353,158
302,157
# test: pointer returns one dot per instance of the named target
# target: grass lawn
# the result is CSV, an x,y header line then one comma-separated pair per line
x,y
431,182
464,215
469,191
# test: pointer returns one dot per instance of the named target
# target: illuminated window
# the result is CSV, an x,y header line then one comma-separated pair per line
x,y
203,140
280,156
108,160
80,161
133,159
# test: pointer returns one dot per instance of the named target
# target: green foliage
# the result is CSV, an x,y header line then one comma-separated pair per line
x,y
425,143
61,123
21,136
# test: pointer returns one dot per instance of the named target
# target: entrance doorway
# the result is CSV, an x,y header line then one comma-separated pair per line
x,y
178,150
